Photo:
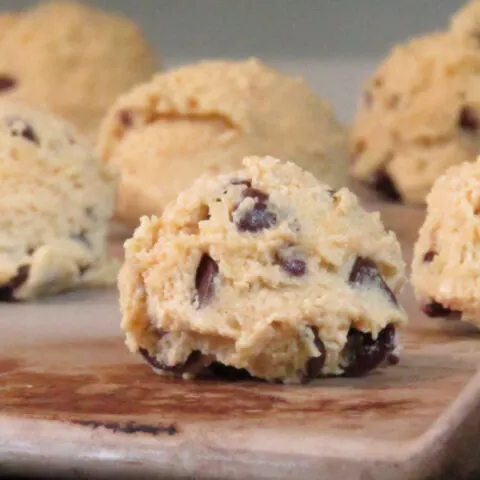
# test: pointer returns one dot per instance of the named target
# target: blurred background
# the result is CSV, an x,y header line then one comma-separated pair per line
x,y
333,43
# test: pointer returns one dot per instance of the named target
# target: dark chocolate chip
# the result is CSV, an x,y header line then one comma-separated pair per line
x,y
294,266
361,353
258,195
315,364
126,118
20,128
229,373
435,309
7,82
365,273
429,256
207,270
468,119
196,363
256,219
384,186
7,291
241,181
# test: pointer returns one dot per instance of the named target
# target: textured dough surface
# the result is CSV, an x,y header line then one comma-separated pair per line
x,y
419,115
446,264
257,274
73,58
56,198
205,117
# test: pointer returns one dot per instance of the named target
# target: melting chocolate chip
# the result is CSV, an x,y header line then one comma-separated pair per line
x,y
241,181
7,82
196,363
362,353
384,186
207,270
126,118
20,128
435,309
365,273
468,119
7,290
294,266
429,256
315,364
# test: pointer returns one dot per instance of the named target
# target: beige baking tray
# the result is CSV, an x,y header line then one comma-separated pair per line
x,y
74,402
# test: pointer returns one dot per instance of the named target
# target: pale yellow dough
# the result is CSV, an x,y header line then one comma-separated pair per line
x,y
204,118
56,198
259,317
446,262
73,58
420,111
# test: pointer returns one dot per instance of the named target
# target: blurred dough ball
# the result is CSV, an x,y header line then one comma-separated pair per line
x,y
73,58
419,115
206,117
466,21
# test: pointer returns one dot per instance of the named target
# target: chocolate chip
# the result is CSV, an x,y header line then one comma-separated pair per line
x,y
229,373
7,82
435,309
207,270
294,266
196,363
384,186
468,119
429,256
365,273
256,194
7,291
315,364
126,118
21,128
241,181
361,353
256,219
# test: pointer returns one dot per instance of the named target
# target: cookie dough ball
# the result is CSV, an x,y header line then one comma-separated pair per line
x,y
205,118
55,202
263,271
466,22
446,262
419,115
74,59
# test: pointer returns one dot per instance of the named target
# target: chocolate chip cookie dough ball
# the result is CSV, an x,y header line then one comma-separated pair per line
x,y
204,118
264,270
74,59
56,198
446,264
419,115
466,22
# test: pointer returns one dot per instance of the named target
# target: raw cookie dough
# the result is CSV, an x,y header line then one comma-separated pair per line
x,y
204,118
446,264
265,271
56,198
73,58
466,22
419,115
